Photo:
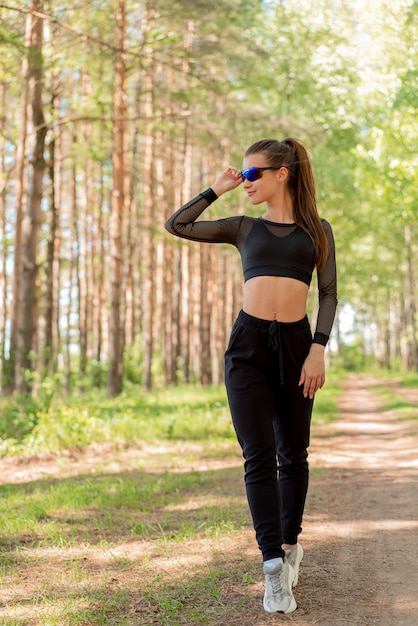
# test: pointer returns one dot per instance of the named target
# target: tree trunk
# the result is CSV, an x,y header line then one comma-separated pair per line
x,y
170,303
10,379
27,324
4,309
134,233
148,218
205,316
52,290
411,311
114,383
76,311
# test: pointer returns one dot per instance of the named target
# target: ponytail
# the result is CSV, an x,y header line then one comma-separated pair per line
x,y
292,154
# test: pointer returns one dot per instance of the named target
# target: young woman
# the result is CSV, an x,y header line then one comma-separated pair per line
x,y
273,365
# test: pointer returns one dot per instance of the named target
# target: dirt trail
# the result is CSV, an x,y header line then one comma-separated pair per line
x,y
361,525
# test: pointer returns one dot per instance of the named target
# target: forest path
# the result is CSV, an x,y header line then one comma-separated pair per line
x,y
361,536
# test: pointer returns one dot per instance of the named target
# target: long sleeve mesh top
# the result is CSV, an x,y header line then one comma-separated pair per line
x,y
267,249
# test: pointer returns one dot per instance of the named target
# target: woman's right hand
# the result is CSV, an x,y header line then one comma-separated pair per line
x,y
228,180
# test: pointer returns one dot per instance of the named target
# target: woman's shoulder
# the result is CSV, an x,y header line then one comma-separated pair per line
x,y
326,225
240,220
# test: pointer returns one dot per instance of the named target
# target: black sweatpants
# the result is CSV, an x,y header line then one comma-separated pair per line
x,y
272,419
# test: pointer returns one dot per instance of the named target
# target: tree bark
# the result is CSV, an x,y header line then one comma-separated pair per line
x,y
98,270
205,316
27,324
411,310
10,379
148,257
52,271
114,383
4,308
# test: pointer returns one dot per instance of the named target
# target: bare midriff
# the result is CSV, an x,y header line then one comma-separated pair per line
x,y
275,297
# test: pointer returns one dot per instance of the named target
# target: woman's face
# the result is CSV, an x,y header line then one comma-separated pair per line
x,y
265,188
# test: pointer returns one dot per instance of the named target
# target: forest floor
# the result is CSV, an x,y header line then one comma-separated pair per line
x,y
360,536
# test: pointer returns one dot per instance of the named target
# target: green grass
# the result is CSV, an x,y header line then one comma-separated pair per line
x,y
410,379
186,413
141,534
325,405
183,413
392,401
65,537
93,508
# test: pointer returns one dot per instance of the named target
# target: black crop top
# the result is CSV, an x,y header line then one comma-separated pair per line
x,y
267,249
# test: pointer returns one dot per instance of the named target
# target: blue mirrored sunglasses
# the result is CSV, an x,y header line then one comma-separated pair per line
x,y
254,173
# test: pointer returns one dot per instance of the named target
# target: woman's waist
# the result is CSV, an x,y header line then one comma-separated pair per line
x,y
275,298
264,324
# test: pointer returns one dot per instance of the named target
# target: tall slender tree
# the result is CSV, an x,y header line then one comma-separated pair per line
x,y
28,297
148,248
116,347
50,348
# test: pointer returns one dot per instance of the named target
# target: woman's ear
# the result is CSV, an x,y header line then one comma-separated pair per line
x,y
282,174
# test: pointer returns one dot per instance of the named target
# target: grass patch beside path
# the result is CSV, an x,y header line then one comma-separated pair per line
x,y
391,400
178,413
409,379
153,531
140,547
186,413
325,405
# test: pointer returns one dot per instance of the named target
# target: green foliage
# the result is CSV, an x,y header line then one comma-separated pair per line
x,y
18,417
30,426
409,379
355,358
191,413
325,406
393,401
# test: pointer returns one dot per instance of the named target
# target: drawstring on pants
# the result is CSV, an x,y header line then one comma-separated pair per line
x,y
274,343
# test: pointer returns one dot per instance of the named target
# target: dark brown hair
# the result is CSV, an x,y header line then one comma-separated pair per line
x,y
292,154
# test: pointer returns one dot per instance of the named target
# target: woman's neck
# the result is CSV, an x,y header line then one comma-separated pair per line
x,y
281,211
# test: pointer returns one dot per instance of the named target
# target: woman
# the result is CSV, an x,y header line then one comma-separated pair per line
x,y
273,366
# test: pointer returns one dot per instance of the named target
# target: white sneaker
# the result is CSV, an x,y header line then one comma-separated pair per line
x,y
278,596
294,557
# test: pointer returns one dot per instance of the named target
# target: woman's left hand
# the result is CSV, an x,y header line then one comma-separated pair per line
x,y
312,376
